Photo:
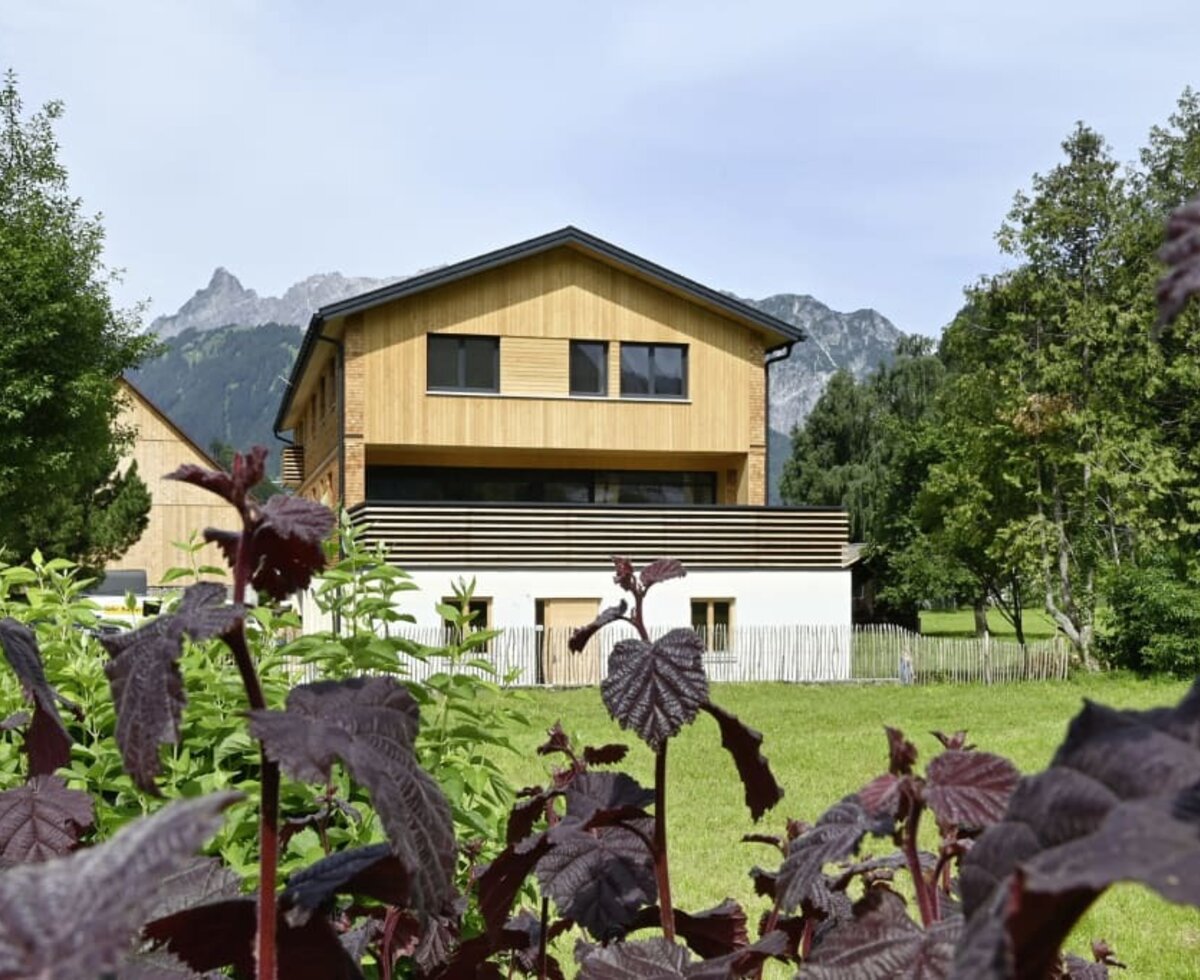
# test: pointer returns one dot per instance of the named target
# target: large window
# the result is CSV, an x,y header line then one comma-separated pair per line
x,y
467,484
589,367
463,363
654,371
712,619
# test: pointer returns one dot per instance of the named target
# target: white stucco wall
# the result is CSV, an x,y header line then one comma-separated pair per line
x,y
761,598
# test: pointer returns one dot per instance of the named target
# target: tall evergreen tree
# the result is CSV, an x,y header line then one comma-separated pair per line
x,y
63,347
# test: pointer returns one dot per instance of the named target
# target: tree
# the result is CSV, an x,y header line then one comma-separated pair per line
x,y
866,447
63,347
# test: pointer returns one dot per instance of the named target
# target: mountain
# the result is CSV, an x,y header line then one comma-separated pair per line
x,y
859,342
226,302
229,352
225,384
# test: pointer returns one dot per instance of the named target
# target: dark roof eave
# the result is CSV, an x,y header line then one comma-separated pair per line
x,y
568,236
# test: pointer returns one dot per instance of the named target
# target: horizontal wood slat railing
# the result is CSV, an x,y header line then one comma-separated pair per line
x,y
584,536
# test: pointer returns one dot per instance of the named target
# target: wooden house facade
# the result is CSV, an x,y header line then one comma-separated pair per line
x,y
521,416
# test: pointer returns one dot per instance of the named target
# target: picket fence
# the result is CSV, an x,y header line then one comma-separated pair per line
x,y
536,656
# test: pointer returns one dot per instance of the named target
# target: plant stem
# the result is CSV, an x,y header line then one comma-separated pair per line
x,y
542,938
268,820
661,870
925,900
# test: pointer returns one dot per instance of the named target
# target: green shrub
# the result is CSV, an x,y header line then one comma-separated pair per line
x,y
1153,621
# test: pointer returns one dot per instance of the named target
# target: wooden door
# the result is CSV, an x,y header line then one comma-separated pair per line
x,y
561,667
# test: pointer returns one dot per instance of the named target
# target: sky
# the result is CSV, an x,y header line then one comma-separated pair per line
x,y
861,152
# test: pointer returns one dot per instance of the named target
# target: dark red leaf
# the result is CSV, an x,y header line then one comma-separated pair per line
x,y
1077,968
956,741
598,878
1181,253
159,965
902,754
147,687
369,724
883,796
604,755
743,743
835,837
502,879
881,942
1130,752
221,934
623,574
556,741
765,882
197,882
662,570
653,958
246,472
589,792
46,741
75,917
579,637
286,544
969,789
1143,841
41,819
525,814
712,933
656,689
373,871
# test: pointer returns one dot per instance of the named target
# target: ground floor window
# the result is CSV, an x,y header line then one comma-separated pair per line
x,y
713,619
478,614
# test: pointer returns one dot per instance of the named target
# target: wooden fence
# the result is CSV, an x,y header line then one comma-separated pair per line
x,y
536,656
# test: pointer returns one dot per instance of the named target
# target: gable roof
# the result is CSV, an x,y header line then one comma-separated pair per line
x,y
569,237
163,417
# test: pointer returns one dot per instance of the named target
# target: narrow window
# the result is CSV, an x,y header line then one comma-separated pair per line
x,y
589,367
654,371
462,363
713,620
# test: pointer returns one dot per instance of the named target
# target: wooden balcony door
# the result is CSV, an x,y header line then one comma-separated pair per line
x,y
560,667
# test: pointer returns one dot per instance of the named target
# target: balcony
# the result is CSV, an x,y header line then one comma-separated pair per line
x,y
477,535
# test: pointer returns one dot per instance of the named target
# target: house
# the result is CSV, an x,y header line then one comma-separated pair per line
x,y
177,509
523,415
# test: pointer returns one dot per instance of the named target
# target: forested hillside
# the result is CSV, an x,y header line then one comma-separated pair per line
x,y
224,385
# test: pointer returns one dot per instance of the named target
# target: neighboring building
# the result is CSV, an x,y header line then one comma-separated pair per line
x,y
521,416
177,509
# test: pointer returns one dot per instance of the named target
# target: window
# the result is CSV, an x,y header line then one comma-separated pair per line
x,y
712,619
478,611
589,367
654,371
463,363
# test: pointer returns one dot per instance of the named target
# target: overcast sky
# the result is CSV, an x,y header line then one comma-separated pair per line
x,y
864,153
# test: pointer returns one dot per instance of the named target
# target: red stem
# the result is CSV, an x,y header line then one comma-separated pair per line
x,y
268,825
542,940
661,870
926,899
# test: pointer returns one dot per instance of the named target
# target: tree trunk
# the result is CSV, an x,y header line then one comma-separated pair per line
x,y
981,624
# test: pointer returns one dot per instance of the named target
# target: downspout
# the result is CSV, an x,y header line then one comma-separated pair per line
x,y
786,350
340,368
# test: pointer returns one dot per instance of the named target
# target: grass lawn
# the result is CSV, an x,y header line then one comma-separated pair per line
x,y
961,622
827,741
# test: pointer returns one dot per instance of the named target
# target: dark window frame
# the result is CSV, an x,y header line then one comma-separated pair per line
x,y
579,392
460,362
650,350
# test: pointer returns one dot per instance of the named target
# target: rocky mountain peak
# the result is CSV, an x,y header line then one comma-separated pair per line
x,y
226,302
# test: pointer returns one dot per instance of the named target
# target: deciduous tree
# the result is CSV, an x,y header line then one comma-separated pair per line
x,y
63,347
